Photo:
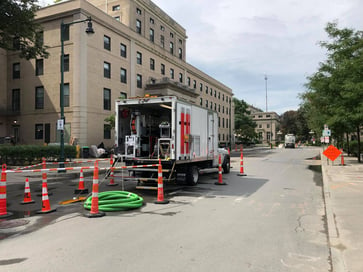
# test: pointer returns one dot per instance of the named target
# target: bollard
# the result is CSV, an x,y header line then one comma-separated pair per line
x,y
94,204
241,170
220,181
3,212
160,199
27,195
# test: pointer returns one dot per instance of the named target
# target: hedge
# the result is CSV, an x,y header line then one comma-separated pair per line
x,y
31,154
353,147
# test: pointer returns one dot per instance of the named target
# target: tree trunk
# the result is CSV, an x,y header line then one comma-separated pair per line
x,y
358,135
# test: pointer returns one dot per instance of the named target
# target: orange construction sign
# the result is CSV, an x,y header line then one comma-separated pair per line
x,y
332,153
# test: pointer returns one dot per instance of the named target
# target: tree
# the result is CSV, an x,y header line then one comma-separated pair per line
x,y
243,123
294,122
335,91
19,31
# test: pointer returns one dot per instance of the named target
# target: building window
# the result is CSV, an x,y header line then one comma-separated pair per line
x,y
162,69
188,81
39,131
107,70
219,108
15,100
66,95
194,84
171,35
66,63
138,11
123,49
138,58
211,92
16,43
171,48
151,34
215,93
206,103
201,101
206,89
171,73
162,28
40,37
39,67
152,64
268,125
65,32
222,109
138,26
106,99
107,43
162,41
16,70
180,77
115,8
123,95
201,87
39,97
106,131
219,95
117,18
215,106
123,75
180,52
139,81
151,21
223,123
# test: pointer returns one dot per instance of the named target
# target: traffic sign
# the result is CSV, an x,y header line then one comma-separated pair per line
x,y
332,153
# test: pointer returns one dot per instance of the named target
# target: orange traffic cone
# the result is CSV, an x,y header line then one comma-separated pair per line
x,y
241,171
342,158
81,189
3,212
160,199
220,181
45,198
27,196
94,204
112,177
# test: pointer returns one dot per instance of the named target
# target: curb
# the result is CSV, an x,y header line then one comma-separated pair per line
x,y
337,259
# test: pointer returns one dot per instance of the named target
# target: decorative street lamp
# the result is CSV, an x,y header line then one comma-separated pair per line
x,y
61,122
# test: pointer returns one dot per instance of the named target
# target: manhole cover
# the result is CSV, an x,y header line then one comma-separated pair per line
x,y
13,223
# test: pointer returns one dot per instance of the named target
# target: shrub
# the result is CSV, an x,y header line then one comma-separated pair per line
x,y
29,154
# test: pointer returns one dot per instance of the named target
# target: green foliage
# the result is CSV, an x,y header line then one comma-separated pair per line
x,y
111,121
334,93
353,147
243,123
29,154
17,27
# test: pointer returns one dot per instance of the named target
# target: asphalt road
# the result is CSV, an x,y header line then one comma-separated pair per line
x,y
273,219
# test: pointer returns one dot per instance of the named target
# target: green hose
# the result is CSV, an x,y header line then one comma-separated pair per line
x,y
115,201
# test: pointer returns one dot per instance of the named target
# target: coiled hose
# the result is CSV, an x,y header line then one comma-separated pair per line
x,y
115,201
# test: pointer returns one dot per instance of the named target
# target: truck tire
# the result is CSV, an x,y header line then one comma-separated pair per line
x,y
226,165
192,175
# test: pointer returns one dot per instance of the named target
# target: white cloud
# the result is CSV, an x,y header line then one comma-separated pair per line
x,y
237,41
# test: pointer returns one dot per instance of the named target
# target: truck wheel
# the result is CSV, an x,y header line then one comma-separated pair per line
x,y
192,175
226,165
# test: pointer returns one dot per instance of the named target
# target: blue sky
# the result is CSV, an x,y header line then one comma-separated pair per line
x,y
239,41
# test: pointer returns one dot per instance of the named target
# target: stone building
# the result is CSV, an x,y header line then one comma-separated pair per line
x,y
268,124
135,49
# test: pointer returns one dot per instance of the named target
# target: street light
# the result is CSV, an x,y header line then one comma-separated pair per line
x,y
270,114
61,122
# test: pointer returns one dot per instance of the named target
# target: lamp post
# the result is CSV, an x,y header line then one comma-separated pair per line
x,y
270,114
61,122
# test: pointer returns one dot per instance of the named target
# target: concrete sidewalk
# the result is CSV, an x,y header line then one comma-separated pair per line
x,y
343,191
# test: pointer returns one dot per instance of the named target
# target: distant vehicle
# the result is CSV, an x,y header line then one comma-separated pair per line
x,y
290,141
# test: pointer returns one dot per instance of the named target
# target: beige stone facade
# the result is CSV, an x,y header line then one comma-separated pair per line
x,y
155,52
268,124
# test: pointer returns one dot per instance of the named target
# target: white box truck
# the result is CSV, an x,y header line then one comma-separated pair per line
x,y
290,141
183,135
